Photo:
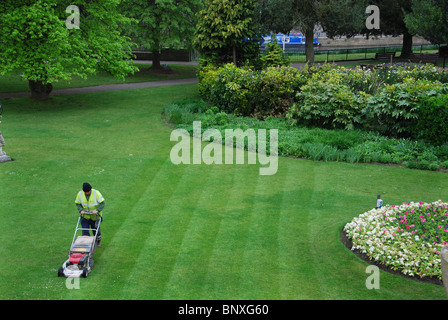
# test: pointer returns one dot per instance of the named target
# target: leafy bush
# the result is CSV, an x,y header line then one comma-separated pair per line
x,y
433,120
394,110
274,56
392,101
326,101
275,90
399,72
244,91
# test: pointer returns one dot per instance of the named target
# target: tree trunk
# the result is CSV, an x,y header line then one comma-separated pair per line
x,y
156,60
309,44
407,45
40,91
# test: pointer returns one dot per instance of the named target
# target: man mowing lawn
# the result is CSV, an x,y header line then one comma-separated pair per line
x,y
90,204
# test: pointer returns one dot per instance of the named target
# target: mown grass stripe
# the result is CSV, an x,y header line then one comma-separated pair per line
x,y
188,273
295,267
260,273
226,260
151,271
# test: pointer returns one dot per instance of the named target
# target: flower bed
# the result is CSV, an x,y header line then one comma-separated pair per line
x,y
406,238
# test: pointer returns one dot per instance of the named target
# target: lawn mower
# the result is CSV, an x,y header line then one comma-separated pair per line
x,y
80,256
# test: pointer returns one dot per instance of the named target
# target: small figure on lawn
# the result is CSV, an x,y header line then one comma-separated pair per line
x,y
3,156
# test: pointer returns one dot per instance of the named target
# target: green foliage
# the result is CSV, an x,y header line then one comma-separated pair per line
x,y
328,102
433,120
274,56
335,97
36,41
222,29
394,109
246,92
429,19
162,24
318,144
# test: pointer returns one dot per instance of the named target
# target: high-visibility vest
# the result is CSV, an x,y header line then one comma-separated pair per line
x,y
92,204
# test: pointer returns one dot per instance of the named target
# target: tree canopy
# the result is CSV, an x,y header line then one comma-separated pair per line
x,y
305,15
35,40
429,18
162,24
392,21
227,28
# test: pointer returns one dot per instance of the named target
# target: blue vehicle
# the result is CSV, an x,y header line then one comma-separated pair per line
x,y
293,40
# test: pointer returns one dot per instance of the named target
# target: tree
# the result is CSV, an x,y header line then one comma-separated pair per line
x,y
36,41
226,29
392,14
162,24
305,15
429,19
274,55
276,16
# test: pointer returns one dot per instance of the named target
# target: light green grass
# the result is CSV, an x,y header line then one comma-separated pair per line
x,y
16,83
186,231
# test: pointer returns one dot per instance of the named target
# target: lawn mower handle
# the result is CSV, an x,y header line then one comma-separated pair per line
x,y
89,212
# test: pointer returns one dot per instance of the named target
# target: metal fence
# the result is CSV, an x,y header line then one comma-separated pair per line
x,y
352,54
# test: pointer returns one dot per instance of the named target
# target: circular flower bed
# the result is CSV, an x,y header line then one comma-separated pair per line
x,y
406,238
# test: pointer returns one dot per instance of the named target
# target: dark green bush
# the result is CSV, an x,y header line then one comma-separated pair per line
x,y
326,101
432,125
247,92
394,110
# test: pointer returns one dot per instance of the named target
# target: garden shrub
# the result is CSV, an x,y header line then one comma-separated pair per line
x,y
433,120
274,56
394,110
246,92
326,101
398,73
396,102
275,91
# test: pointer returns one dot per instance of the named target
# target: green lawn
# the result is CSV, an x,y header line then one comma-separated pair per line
x,y
186,231
16,83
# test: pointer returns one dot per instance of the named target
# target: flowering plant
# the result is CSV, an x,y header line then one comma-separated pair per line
x,y
408,237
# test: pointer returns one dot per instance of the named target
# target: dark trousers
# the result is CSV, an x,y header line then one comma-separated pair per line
x,y
90,224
